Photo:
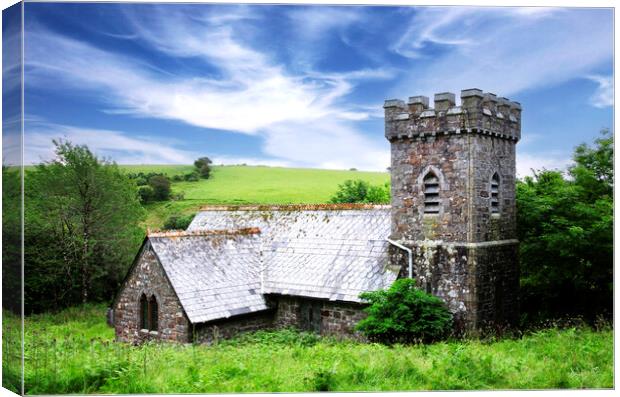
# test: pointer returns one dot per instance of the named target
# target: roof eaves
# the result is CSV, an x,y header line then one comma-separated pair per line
x,y
201,233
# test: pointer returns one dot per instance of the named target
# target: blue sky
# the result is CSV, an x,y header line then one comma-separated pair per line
x,y
302,85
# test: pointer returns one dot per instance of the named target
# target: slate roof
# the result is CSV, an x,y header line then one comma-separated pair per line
x,y
214,275
330,252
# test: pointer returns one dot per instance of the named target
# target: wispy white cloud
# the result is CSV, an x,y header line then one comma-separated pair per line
x,y
427,27
243,90
503,50
327,144
122,147
604,94
235,104
305,115
313,22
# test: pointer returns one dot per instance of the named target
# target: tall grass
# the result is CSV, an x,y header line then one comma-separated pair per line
x,y
11,353
73,352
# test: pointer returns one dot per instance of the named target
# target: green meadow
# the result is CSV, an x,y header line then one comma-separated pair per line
x,y
249,185
73,352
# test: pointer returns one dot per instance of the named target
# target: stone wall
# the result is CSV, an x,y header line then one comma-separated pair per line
x,y
228,328
464,166
497,284
148,277
447,157
493,155
327,317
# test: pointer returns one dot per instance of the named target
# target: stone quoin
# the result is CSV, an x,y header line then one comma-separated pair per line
x,y
245,268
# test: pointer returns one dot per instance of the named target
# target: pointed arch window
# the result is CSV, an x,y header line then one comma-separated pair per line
x,y
431,193
153,311
495,194
149,313
144,312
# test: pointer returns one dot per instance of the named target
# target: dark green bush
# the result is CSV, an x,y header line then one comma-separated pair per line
x,y
161,187
178,222
192,177
404,314
145,193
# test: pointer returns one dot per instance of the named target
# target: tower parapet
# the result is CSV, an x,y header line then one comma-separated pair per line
x,y
479,113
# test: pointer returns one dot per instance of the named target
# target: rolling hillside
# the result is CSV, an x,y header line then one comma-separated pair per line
x,y
249,185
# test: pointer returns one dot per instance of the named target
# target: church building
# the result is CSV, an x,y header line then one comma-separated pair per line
x,y
451,225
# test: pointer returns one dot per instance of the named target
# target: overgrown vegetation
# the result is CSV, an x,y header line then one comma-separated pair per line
x,y
360,191
565,226
405,314
72,352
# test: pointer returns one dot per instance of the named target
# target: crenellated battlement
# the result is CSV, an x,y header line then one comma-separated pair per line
x,y
479,113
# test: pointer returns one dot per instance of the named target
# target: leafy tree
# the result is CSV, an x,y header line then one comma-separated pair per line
x,y
360,191
404,314
202,167
378,194
82,228
565,226
161,187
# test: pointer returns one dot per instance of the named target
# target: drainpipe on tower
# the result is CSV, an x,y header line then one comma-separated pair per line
x,y
409,252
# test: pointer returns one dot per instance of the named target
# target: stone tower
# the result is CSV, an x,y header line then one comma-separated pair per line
x,y
453,200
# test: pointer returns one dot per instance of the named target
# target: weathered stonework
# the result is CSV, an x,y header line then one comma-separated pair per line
x,y
464,253
324,317
147,276
230,327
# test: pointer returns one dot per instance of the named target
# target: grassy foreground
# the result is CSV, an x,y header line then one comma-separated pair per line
x,y
249,185
73,352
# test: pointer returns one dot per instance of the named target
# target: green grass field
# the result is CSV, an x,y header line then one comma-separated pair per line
x,y
249,185
73,352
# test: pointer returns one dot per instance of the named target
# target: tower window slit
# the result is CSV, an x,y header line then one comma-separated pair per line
x,y
495,194
431,194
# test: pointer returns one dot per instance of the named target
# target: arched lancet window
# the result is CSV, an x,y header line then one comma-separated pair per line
x,y
153,313
431,193
495,194
148,313
144,312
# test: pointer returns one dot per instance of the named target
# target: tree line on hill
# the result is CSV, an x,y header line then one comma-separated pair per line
x,y
156,186
82,230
